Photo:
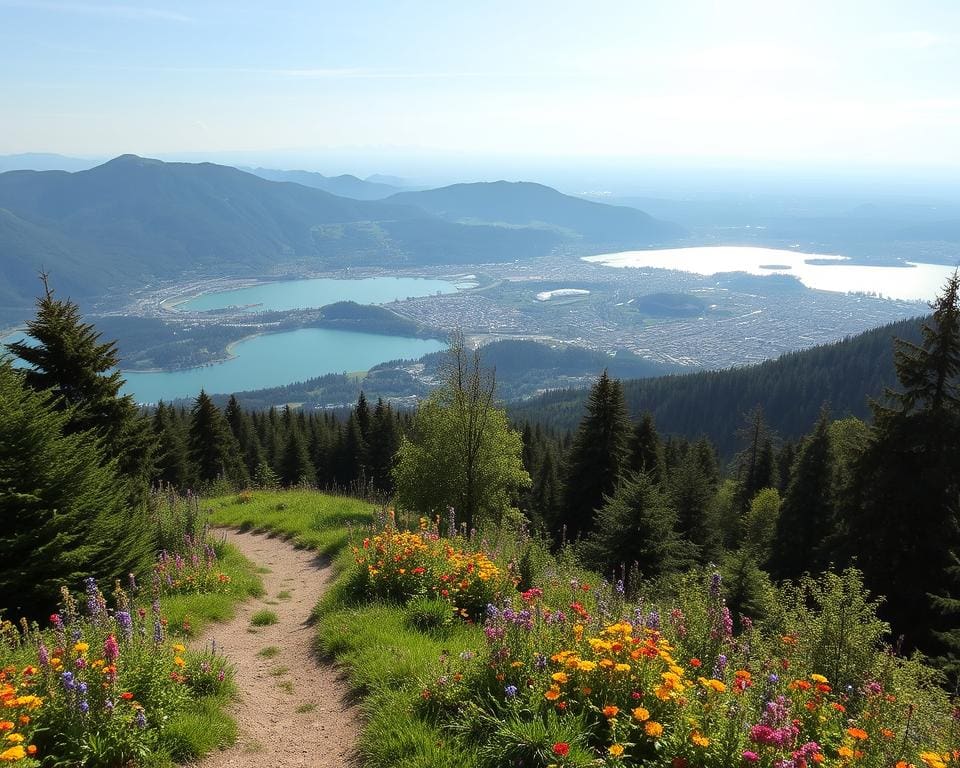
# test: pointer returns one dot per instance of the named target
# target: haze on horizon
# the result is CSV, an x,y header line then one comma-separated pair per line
x,y
860,84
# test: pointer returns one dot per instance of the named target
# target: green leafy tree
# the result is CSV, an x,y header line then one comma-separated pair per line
x,y
597,458
63,511
462,452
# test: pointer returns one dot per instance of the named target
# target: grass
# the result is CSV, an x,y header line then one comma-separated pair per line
x,y
302,709
286,686
279,671
204,727
189,614
264,618
284,595
312,520
269,652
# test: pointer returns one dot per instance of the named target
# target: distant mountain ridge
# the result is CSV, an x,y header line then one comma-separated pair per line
x,y
132,220
525,203
344,185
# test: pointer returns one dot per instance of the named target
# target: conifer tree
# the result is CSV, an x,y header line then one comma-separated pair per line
x,y
212,448
636,526
67,359
691,488
172,464
63,511
646,449
807,514
382,446
596,459
362,412
296,466
904,529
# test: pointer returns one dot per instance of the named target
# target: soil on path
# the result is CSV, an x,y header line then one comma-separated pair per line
x,y
293,709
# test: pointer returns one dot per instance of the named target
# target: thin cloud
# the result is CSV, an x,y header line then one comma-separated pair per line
x,y
131,12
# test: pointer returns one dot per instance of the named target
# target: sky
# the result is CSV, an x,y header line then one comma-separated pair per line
x,y
765,83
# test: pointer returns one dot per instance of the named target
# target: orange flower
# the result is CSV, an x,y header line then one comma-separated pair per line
x,y
615,749
857,733
553,694
610,711
699,739
653,728
641,714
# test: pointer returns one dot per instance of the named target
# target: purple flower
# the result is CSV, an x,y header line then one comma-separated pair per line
x,y
715,582
43,655
66,679
111,651
540,662
140,719
157,632
653,619
510,691
84,706
125,622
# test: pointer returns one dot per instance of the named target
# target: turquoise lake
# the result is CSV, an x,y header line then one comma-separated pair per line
x,y
279,358
303,294
273,360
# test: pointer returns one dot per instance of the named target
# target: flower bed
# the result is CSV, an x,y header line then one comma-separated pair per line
x,y
582,677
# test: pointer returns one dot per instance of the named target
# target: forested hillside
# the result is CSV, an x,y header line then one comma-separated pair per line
x,y
790,389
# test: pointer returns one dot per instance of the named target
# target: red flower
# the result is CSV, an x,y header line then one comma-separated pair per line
x,y
126,695
696,663
561,749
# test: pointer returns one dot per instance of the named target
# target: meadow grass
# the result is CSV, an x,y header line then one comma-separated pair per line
x,y
312,520
269,652
188,614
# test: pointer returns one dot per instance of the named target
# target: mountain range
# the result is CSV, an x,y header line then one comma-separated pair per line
x,y
344,185
133,220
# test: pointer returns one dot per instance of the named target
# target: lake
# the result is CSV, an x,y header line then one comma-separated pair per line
x,y
914,282
279,358
318,292
272,360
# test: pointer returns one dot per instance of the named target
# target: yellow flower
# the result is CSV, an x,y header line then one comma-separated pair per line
x,y
12,754
179,661
586,666
641,714
177,648
933,760
818,678
622,668
81,648
615,749
653,728
716,686
560,677
14,738
846,752
700,740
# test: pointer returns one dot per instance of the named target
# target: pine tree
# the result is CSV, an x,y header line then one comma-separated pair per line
x,y
382,447
362,412
296,466
691,488
807,515
904,528
597,457
172,464
68,360
213,450
636,526
646,450
63,511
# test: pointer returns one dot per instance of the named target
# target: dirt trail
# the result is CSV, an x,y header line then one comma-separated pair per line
x,y
293,709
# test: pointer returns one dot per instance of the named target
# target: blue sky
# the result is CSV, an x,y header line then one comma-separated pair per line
x,y
843,82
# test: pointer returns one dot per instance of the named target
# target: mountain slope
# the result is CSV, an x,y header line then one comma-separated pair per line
x,y
134,219
791,390
528,204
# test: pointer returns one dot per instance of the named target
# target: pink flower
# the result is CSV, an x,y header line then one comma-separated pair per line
x,y
110,649
750,757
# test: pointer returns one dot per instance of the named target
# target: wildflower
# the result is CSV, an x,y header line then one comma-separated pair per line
x,y
16,752
141,719
553,694
653,728
615,749
610,711
750,757
696,663
641,714
81,648
857,733
560,677
818,678
699,739
561,749
510,691
111,651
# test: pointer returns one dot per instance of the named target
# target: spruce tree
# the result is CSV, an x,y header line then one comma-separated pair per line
x,y
597,457
68,359
62,508
691,488
212,448
382,446
296,467
172,463
636,526
646,449
807,514
903,530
